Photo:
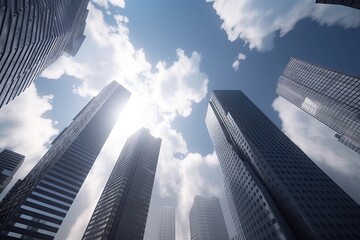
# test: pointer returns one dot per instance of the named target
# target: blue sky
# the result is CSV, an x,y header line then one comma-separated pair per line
x,y
171,54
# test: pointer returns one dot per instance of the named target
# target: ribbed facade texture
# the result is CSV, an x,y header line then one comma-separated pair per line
x,y
122,209
207,220
167,223
238,236
273,189
40,203
34,34
329,96
9,163
348,3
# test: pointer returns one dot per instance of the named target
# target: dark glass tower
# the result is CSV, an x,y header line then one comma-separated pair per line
x,y
9,163
41,201
33,34
348,3
207,220
273,189
122,209
329,96
167,223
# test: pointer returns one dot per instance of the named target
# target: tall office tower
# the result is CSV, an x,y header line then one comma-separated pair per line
x,y
207,220
38,207
33,34
348,3
9,163
167,223
329,96
122,209
273,189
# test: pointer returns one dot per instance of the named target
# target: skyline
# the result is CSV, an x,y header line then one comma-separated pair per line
x,y
152,51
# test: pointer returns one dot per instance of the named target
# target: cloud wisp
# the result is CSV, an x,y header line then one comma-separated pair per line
x,y
258,22
240,57
161,92
24,129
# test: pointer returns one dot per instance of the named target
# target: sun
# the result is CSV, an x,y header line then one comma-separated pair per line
x,y
136,114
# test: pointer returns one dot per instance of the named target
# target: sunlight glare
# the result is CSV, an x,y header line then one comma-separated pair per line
x,y
136,114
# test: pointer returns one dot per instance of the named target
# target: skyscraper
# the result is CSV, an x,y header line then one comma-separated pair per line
x,y
122,209
348,3
33,35
329,96
9,163
38,207
167,223
207,220
273,189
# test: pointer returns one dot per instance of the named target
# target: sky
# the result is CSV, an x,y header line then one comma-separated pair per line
x,y
171,55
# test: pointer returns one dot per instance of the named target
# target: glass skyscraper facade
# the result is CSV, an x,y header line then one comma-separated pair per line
x,y
41,200
167,223
348,3
207,220
329,96
122,209
273,189
33,35
9,163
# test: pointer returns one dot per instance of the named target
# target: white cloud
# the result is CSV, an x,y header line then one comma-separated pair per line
x,y
177,86
236,63
180,179
319,143
160,93
105,3
186,178
195,173
175,178
105,55
173,88
81,210
258,22
67,66
24,129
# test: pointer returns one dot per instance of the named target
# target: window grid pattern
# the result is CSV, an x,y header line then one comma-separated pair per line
x,y
33,34
47,192
348,3
122,209
253,213
207,220
9,163
331,97
308,200
167,223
